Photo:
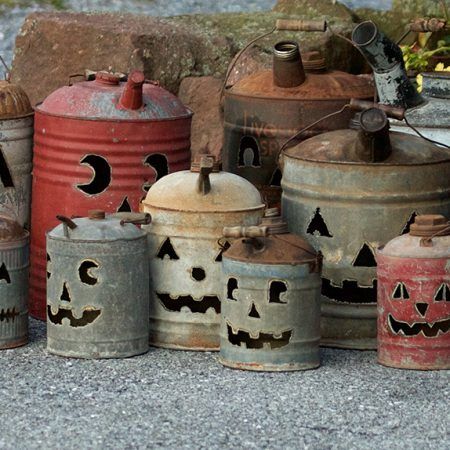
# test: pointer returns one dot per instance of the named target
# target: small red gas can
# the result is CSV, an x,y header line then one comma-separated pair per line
x,y
414,297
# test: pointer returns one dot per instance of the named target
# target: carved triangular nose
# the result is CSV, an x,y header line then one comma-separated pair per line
x,y
253,312
422,308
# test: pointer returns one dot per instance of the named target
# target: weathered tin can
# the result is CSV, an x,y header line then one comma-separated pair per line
x,y
350,191
271,300
14,264
263,110
189,210
414,297
16,144
428,113
101,144
97,288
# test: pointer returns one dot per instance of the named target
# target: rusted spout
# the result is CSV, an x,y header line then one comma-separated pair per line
x,y
132,93
386,59
373,143
288,68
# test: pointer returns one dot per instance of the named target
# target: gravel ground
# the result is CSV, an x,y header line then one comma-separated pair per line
x,y
11,19
178,400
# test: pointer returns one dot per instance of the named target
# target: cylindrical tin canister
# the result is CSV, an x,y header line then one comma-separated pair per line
x,y
14,263
16,144
271,302
414,297
189,210
97,288
347,207
260,113
101,144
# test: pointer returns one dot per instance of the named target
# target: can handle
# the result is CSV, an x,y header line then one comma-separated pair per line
x,y
67,223
203,181
245,232
300,25
136,218
391,111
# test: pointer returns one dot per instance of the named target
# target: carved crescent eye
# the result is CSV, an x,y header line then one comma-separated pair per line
x,y
85,272
102,175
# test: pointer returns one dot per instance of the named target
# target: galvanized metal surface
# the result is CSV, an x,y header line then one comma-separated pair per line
x,y
348,208
186,252
14,263
91,152
98,289
260,117
414,302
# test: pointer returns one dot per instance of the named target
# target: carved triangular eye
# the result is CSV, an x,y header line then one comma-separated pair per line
x,y
443,293
4,274
408,224
400,292
365,257
253,312
167,250
318,225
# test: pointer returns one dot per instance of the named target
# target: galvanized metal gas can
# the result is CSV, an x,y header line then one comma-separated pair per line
x,y
14,264
271,300
16,144
101,144
264,109
97,288
189,210
350,191
414,297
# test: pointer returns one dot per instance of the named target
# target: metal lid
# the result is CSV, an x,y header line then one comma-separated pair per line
x,y
106,98
14,102
429,225
97,227
436,84
10,230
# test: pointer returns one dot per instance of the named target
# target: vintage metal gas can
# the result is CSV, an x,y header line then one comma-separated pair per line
x,y
349,191
263,110
189,210
101,144
271,300
97,288
16,144
414,297
14,263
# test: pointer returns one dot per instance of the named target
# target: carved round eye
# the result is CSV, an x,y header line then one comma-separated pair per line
x,y
85,272
198,274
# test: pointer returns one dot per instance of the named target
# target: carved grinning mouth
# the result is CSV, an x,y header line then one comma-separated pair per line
x,y
201,305
88,316
350,291
240,337
8,314
427,329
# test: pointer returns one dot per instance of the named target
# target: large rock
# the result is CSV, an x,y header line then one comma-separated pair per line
x,y
53,46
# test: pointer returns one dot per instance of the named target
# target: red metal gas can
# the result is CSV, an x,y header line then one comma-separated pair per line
x,y
414,297
100,145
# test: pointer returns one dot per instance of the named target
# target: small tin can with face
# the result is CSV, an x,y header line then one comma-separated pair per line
x,y
14,264
271,301
97,287
414,297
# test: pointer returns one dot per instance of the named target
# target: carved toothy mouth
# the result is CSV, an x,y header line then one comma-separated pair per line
x,y
201,305
88,316
350,292
8,314
238,337
431,329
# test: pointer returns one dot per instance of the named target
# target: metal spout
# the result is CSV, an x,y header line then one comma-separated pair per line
x,y
131,97
386,59
203,181
288,68
373,143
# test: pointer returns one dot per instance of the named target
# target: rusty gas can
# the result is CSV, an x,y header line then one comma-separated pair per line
x,y
101,144
16,144
350,191
14,264
189,210
97,287
271,299
414,297
264,109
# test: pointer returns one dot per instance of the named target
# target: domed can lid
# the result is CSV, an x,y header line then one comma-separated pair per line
x,y
14,102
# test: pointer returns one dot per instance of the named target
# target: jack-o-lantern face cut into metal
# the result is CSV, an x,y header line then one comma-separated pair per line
x,y
189,210
271,303
349,191
97,287
414,297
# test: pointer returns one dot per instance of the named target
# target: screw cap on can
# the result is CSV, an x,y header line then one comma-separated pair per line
x,y
428,225
96,214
